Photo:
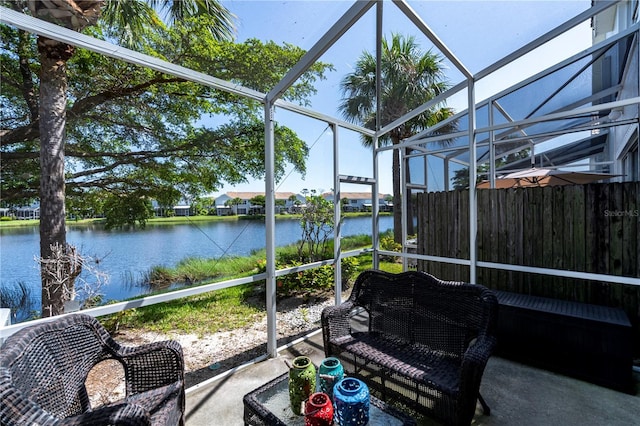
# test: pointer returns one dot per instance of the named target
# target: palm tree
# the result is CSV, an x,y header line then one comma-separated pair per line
x,y
130,18
233,202
410,78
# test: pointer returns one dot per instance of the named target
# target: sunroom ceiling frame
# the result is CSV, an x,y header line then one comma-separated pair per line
x,y
604,45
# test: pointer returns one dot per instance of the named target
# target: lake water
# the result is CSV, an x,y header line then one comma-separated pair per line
x,y
126,256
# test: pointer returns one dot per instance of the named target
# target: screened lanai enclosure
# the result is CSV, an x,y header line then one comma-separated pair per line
x,y
558,90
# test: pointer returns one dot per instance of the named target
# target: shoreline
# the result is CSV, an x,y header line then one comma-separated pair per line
x,y
175,220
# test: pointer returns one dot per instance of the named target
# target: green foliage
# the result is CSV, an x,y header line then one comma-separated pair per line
x,y
314,280
134,130
206,313
18,298
409,78
355,242
228,309
199,206
310,280
258,200
317,224
350,267
90,205
388,243
113,322
126,210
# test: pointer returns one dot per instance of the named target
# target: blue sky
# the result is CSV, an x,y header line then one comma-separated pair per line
x,y
478,32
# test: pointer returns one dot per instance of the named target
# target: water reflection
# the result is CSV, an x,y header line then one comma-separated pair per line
x,y
128,255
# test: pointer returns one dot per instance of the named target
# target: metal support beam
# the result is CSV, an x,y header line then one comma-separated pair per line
x,y
406,193
347,20
337,213
422,26
446,174
375,188
270,226
473,202
492,147
375,207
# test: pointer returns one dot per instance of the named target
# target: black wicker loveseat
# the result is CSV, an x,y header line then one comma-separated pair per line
x,y
43,369
421,341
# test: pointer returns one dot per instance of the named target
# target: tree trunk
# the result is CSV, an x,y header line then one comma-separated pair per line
x,y
52,111
397,198
410,227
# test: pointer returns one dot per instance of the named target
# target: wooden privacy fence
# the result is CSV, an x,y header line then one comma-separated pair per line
x,y
586,228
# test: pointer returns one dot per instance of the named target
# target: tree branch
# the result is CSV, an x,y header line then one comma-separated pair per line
x,y
82,106
79,109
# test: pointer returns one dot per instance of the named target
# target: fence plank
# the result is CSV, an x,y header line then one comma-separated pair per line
x,y
529,216
464,233
579,248
568,249
500,243
452,234
562,227
591,247
510,229
547,239
615,239
557,243
603,241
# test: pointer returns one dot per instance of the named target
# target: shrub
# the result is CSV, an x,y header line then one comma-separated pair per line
x,y
160,276
350,268
387,243
314,280
317,225
19,299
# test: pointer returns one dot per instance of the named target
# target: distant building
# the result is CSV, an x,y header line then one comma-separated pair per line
x,y
26,212
361,201
181,209
224,206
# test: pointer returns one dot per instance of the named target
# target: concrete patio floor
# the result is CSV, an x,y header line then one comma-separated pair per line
x,y
517,394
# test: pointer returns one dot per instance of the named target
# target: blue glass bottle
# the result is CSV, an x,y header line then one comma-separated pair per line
x,y
330,372
351,402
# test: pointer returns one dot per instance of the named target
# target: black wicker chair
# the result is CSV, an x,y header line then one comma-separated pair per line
x,y
425,343
43,369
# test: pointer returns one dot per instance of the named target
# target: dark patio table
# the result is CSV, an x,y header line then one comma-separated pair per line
x,y
269,405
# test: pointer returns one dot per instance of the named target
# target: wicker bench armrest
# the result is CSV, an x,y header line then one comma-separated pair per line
x,y
335,322
151,365
479,352
474,362
116,415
